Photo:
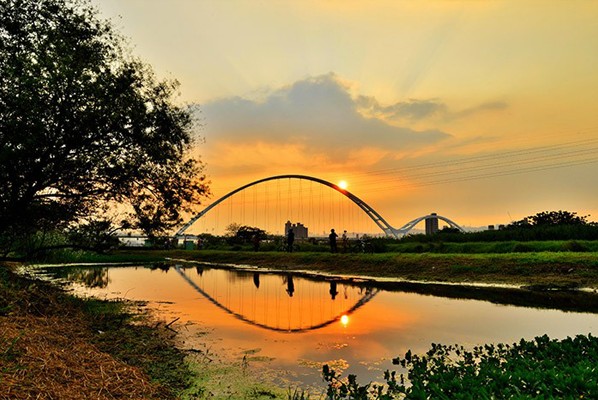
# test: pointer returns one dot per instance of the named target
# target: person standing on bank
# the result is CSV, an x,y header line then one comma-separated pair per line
x,y
332,238
345,240
290,240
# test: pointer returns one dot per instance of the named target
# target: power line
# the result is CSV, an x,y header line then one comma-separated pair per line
x,y
546,157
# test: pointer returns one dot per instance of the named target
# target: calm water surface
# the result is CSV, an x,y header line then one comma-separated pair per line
x,y
294,324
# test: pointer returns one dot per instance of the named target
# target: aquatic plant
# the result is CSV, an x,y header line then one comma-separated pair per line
x,y
539,368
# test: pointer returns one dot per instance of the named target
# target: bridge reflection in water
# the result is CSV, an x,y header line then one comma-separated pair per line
x,y
290,323
279,303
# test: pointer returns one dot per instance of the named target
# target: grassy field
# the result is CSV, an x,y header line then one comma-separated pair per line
x,y
538,269
500,247
541,269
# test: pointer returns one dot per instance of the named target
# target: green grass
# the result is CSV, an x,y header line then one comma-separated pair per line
x,y
230,380
82,256
543,268
385,245
557,269
499,247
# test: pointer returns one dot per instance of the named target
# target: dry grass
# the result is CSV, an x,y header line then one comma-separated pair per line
x,y
50,358
47,351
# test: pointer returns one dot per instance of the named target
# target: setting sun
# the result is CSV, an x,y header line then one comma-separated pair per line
x,y
343,184
345,320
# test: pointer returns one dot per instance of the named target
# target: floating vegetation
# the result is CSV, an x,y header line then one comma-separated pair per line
x,y
539,368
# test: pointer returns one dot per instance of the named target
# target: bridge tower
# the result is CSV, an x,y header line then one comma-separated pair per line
x,y
432,224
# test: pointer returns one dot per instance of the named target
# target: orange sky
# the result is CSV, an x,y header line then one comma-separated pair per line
x,y
482,111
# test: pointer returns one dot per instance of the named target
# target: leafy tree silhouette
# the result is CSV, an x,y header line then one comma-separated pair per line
x,y
85,126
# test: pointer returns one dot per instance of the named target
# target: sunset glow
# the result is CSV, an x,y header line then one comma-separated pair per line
x,y
475,110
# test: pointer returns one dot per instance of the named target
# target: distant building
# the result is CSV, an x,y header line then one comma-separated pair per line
x,y
431,224
299,230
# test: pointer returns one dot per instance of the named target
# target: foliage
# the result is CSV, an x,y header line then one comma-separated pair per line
x,y
548,225
91,277
448,229
98,235
539,368
209,241
377,245
247,234
494,247
297,394
573,245
94,235
522,234
550,218
85,126
339,388
232,229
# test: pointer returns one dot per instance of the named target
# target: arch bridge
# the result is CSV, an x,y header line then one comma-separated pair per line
x,y
366,208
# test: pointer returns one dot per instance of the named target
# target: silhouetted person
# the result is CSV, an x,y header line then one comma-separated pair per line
x,y
290,240
255,239
345,240
332,238
290,285
164,267
333,292
199,271
256,280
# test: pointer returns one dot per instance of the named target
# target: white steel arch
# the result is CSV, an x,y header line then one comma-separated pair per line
x,y
366,208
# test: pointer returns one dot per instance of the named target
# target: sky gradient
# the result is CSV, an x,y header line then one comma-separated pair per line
x,y
482,111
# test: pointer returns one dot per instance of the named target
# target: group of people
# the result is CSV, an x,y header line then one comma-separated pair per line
x,y
331,239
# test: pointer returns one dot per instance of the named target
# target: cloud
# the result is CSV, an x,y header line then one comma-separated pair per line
x,y
320,114
414,110
490,106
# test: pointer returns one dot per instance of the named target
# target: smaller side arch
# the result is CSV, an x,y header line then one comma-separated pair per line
x,y
405,229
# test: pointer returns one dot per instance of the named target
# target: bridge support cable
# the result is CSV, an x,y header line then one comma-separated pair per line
x,y
370,212
276,325
367,209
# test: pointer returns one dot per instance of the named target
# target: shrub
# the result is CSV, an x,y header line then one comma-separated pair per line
x,y
522,248
573,245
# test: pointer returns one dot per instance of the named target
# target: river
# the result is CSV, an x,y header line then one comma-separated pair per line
x,y
291,324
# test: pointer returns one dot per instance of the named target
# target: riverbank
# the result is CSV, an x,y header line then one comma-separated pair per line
x,y
541,270
39,321
53,345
